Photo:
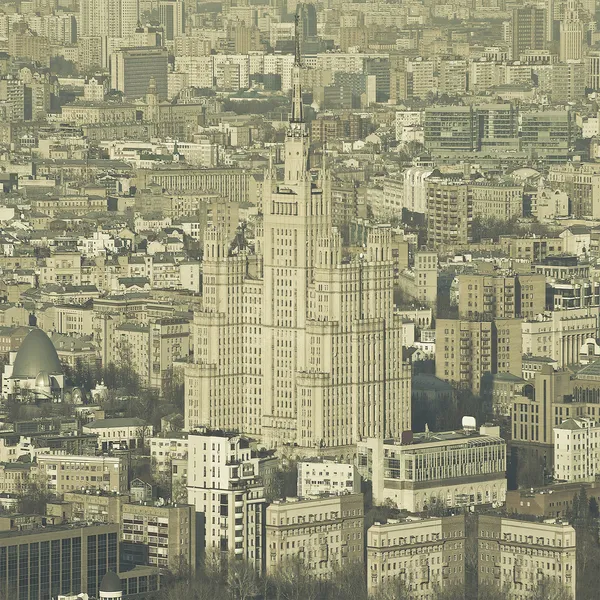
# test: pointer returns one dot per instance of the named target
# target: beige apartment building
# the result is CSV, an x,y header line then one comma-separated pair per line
x,y
66,473
424,554
443,469
426,276
534,248
497,200
517,554
466,351
169,531
501,296
325,533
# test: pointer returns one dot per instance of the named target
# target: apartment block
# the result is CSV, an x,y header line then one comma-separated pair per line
x,y
95,505
534,248
501,296
497,200
224,483
576,452
426,276
518,554
466,351
325,533
168,530
66,473
168,447
424,554
445,469
449,211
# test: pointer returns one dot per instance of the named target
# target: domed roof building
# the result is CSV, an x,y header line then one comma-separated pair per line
x,y
111,586
34,372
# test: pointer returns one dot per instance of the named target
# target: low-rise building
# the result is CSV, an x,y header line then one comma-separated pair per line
x,y
424,554
169,447
120,434
95,506
325,533
445,469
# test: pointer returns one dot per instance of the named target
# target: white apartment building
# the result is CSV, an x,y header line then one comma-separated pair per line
x,y
224,484
423,553
299,343
576,450
319,477
452,468
165,448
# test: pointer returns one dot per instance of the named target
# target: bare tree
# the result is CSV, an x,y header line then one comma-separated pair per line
x,y
243,582
292,581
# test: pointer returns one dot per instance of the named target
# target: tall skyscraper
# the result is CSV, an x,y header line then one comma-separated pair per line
x,y
299,343
571,34
529,30
172,18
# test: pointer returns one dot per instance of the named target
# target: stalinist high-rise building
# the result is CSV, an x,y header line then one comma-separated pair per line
x,y
299,342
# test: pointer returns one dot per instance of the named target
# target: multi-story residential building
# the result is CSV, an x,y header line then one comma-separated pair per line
x,y
168,447
414,196
426,276
96,507
534,248
466,351
326,477
445,469
16,476
501,296
66,473
424,554
276,335
59,559
224,483
450,129
168,530
325,533
152,348
517,554
576,453
449,211
497,200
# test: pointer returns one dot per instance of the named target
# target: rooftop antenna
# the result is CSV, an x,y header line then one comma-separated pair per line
x,y
297,110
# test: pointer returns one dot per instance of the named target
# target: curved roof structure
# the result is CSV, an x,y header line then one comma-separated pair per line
x,y
111,582
36,354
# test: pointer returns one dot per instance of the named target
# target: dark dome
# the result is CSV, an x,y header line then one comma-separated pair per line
x,y
111,582
36,354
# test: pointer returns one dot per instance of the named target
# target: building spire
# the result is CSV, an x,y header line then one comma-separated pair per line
x,y
297,110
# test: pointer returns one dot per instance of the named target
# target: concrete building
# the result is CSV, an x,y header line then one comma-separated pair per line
x,y
326,477
534,248
120,433
421,553
445,469
96,506
172,18
69,557
132,70
572,33
224,483
414,195
497,200
426,276
466,351
65,473
528,30
169,531
325,533
518,554
576,453
501,296
168,447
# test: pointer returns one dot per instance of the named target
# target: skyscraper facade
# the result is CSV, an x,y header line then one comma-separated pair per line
x,y
529,30
299,343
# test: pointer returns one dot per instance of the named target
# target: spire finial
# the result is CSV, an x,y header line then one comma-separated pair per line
x,y
297,58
